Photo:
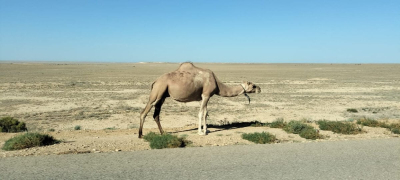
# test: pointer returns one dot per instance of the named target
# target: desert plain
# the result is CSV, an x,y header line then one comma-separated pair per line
x,y
95,107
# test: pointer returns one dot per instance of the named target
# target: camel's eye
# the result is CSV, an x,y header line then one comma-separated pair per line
x,y
254,86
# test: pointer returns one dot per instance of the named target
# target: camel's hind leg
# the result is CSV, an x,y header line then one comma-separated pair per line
x,y
156,115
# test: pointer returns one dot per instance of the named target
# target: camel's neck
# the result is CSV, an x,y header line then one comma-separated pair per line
x,y
229,91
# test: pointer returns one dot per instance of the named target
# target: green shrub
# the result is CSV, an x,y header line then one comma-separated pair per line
x,y
295,127
310,133
9,124
339,127
29,140
372,123
352,110
384,125
368,122
304,130
278,123
150,136
164,141
395,131
395,128
259,138
77,127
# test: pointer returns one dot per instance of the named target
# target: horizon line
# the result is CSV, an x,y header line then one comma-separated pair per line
x,y
166,62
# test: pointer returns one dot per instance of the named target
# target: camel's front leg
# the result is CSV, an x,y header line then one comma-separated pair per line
x,y
200,118
143,115
205,120
203,115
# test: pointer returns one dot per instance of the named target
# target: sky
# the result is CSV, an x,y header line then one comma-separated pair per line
x,y
236,31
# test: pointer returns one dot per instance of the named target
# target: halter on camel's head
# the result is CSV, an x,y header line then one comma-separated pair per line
x,y
249,87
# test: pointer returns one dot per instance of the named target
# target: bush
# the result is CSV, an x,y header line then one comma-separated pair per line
x,y
304,130
278,123
259,138
9,124
352,110
295,127
369,122
150,136
395,128
310,133
164,141
29,140
339,127
77,127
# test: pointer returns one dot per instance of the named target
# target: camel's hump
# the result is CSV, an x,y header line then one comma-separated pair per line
x,y
186,66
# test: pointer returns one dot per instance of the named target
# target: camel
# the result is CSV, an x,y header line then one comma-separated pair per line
x,y
190,83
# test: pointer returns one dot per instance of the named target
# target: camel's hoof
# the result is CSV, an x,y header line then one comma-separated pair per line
x,y
201,133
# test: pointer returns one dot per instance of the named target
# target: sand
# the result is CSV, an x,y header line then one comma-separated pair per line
x,y
105,101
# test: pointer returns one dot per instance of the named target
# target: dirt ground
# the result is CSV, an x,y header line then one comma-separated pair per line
x,y
105,101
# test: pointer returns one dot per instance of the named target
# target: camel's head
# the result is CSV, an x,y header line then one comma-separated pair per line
x,y
249,87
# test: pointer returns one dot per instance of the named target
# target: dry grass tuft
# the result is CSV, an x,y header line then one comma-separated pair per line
x,y
29,140
259,138
339,127
165,141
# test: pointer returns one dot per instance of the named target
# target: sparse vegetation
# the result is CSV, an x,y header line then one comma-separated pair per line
x,y
77,127
310,133
259,138
165,141
295,127
369,122
339,127
103,94
11,125
278,123
304,130
394,128
352,110
29,140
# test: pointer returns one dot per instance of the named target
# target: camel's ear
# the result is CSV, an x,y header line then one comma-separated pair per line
x,y
248,83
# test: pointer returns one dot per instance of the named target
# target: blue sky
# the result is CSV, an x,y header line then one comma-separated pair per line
x,y
297,31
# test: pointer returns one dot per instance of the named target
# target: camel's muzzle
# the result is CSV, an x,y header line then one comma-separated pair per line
x,y
257,89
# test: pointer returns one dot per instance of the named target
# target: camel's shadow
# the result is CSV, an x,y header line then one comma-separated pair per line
x,y
234,125
228,126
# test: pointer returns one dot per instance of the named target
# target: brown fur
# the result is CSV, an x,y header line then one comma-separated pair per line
x,y
190,83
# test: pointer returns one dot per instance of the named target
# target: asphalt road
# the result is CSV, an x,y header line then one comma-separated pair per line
x,y
357,159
